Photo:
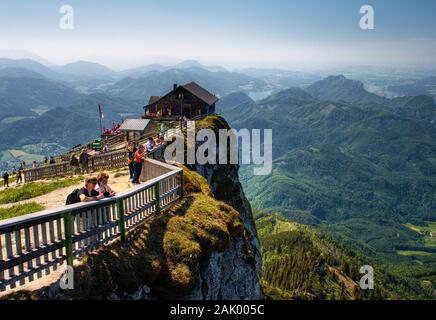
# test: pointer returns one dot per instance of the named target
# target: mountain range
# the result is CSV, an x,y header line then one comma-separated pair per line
x,y
353,164
33,95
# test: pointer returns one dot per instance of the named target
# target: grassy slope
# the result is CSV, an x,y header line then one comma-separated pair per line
x,y
32,190
20,210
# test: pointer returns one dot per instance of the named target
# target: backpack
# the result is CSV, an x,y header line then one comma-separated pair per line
x,y
73,198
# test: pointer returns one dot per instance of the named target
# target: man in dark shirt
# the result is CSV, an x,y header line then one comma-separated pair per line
x,y
6,179
20,174
88,193
84,161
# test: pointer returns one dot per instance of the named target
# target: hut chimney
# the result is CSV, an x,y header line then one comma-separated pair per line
x,y
175,86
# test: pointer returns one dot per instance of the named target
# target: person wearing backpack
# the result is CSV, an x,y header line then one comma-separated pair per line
x,y
85,194
88,193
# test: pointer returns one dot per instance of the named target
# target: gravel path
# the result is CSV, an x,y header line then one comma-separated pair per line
x,y
57,198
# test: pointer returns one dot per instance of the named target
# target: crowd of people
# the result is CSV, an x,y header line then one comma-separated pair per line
x,y
19,173
80,165
97,188
115,130
136,155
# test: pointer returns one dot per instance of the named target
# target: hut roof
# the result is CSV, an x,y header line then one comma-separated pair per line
x,y
134,124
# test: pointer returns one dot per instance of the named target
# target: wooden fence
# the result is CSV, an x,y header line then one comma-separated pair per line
x,y
34,245
115,139
106,161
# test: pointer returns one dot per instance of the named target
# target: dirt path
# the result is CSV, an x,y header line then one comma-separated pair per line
x,y
118,181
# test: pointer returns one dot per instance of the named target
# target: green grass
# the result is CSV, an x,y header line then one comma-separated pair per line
x,y
429,242
32,190
19,210
411,253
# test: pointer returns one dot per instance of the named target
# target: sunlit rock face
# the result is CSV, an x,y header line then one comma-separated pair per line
x,y
234,273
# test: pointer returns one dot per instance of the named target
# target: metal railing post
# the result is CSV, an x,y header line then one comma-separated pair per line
x,y
68,242
182,184
121,219
157,196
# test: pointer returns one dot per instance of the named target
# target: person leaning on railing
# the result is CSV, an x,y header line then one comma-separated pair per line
x,y
103,185
88,193
140,156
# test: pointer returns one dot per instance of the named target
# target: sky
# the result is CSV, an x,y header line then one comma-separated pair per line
x,y
287,34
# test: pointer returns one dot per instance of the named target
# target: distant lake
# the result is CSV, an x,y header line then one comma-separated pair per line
x,y
260,95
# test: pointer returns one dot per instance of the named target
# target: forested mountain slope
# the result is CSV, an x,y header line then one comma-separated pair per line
x,y
358,170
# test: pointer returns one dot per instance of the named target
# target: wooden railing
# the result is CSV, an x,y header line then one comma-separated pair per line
x,y
34,245
115,139
112,160
106,161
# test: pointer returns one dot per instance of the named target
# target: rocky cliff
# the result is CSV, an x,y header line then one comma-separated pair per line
x,y
227,274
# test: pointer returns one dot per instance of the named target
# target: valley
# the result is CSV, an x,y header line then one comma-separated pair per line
x,y
352,164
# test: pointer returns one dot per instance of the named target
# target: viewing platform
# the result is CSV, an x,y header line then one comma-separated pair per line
x,y
33,246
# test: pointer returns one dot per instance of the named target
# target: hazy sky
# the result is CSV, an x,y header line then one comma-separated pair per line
x,y
234,33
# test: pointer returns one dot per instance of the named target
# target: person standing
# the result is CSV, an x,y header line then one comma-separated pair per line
x,y
75,164
131,150
150,144
20,175
52,160
6,179
84,161
138,162
106,148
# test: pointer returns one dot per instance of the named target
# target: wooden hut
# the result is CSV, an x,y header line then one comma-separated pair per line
x,y
189,100
137,129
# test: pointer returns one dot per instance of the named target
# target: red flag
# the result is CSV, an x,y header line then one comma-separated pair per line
x,y
100,111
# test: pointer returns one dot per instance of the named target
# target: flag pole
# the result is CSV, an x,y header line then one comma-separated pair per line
x,y
101,127
100,115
